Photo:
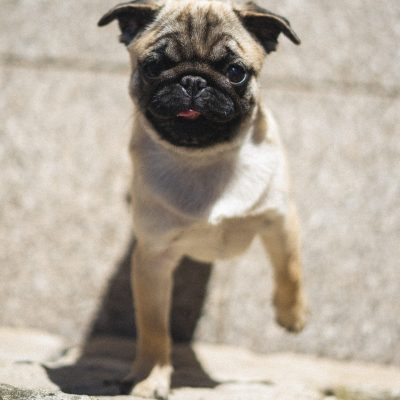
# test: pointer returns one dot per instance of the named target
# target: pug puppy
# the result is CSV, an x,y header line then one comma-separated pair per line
x,y
209,170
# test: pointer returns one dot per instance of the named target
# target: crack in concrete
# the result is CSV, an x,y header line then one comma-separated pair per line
x,y
74,64
374,89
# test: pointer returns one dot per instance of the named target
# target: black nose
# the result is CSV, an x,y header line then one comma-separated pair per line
x,y
193,84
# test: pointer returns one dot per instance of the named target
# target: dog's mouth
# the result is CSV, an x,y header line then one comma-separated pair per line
x,y
192,129
198,120
189,114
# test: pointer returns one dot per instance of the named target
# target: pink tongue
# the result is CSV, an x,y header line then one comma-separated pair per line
x,y
189,114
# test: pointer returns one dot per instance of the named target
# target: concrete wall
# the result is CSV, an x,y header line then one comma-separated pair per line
x,y
65,234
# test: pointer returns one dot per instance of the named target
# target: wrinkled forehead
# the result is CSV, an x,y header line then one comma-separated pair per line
x,y
198,30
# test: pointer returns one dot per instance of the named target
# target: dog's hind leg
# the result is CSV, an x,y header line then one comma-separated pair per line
x,y
282,243
152,281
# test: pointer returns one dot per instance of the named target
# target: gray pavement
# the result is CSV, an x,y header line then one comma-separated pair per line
x,y
65,229
202,371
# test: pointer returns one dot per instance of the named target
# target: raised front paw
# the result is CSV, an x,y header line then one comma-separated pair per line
x,y
154,385
291,315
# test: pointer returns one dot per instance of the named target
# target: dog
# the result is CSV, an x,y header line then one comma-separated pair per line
x,y
209,171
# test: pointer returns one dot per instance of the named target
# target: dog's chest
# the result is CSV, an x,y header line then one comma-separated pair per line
x,y
226,240
210,211
228,186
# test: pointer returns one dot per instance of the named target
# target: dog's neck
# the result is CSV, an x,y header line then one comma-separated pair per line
x,y
211,186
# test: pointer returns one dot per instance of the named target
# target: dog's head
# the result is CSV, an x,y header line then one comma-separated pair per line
x,y
195,64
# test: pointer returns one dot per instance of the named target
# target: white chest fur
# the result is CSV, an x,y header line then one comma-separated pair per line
x,y
207,200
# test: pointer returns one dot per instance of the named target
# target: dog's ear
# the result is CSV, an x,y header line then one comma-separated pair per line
x,y
265,25
132,17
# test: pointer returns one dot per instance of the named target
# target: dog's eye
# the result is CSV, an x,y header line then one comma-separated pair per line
x,y
152,69
153,66
236,74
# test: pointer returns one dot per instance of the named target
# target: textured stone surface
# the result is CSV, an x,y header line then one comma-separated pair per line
x,y
65,172
64,224
202,371
351,43
28,344
59,31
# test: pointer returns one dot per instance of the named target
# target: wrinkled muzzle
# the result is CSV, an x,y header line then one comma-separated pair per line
x,y
192,93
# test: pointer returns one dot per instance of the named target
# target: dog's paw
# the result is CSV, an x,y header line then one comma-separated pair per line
x,y
292,317
156,385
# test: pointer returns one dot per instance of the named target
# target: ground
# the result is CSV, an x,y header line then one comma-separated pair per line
x,y
36,365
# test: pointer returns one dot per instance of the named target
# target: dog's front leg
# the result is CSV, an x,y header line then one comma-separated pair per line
x,y
283,245
152,281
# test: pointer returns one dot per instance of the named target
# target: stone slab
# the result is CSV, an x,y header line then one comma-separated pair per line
x,y
347,44
350,45
64,217
51,30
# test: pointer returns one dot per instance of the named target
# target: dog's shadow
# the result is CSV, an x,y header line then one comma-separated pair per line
x,y
109,348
